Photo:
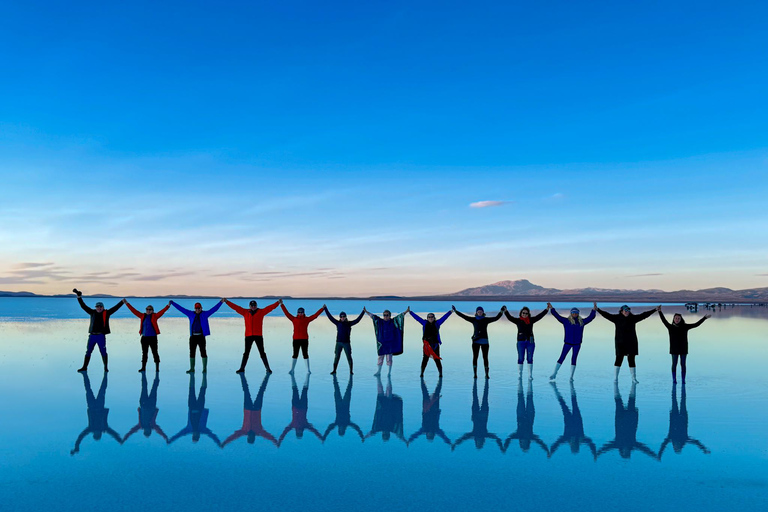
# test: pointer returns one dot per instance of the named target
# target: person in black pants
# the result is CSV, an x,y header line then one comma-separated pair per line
x,y
479,422
678,340
343,337
626,337
678,426
480,335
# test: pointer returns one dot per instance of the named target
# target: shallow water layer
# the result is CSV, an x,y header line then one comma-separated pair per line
x,y
85,442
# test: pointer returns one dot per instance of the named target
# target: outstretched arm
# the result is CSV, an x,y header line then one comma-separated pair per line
x,y
287,314
418,318
313,317
131,432
696,324
133,309
557,316
114,308
444,318
538,317
645,314
462,315
79,440
214,309
608,316
510,317
82,305
498,315
357,320
330,316
664,319
271,307
181,309
237,309
162,311
591,316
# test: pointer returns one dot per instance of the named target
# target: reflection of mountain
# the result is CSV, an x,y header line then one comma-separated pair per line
x,y
148,410
430,414
388,418
678,426
252,427
526,413
97,414
480,412
343,416
573,425
626,421
197,416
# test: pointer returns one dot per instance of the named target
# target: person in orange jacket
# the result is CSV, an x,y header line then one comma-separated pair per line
x,y
148,330
254,325
300,335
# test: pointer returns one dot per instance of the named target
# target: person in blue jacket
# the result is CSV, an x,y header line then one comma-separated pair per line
x,y
198,330
574,334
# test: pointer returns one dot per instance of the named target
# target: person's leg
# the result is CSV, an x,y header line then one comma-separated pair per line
x,y
102,343
203,354
632,367
379,362
475,352
249,340
389,364
438,363
144,353
617,365
348,351
683,368
563,353
574,357
424,361
674,368
530,349
305,353
520,358
484,349
263,353
88,350
295,356
192,349
336,357
155,352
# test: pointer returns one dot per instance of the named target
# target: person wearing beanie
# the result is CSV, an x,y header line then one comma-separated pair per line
x,y
343,337
300,333
97,330
574,334
198,330
480,335
626,337
431,338
678,340
148,330
525,340
389,336
254,325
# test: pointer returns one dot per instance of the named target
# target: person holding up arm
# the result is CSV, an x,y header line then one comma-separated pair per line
x,y
678,340
254,325
431,339
480,335
97,330
300,335
389,336
148,330
626,337
343,337
198,330
574,335
525,340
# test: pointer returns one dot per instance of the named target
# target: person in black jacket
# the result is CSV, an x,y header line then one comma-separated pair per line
x,y
343,333
626,336
525,340
678,340
480,335
97,330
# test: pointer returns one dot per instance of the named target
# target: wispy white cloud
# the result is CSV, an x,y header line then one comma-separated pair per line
x,y
487,204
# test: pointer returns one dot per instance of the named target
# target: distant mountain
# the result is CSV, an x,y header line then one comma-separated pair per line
x,y
522,288
17,294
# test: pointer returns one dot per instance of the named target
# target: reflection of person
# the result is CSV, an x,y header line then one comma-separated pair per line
x,y
626,336
197,417
343,337
97,414
479,421
300,333
573,325
430,415
388,418
148,330
678,426
431,339
626,420
299,408
526,413
147,410
254,325
97,330
480,334
526,343
389,336
678,340
198,330
343,417
252,427
573,425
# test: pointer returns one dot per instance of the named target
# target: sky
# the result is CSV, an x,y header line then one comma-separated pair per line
x,y
382,148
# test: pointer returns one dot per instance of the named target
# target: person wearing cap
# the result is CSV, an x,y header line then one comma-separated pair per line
x,y
300,333
148,330
254,325
480,335
389,336
343,334
574,334
525,340
431,339
97,330
626,337
198,330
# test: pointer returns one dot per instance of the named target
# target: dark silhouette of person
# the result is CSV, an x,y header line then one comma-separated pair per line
x,y
299,408
97,414
573,425
526,413
430,415
197,417
388,418
252,427
343,417
148,410
678,426
626,420
479,421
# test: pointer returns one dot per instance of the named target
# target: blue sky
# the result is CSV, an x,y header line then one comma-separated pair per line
x,y
307,149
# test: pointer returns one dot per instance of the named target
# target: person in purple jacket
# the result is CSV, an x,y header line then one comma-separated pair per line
x,y
198,330
574,333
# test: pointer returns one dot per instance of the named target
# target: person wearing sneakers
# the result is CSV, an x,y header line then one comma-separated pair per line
x,y
626,337
574,334
198,330
148,330
97,330
300,335
254,325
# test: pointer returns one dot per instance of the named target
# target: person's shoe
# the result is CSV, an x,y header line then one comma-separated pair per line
x,y
142,370
333,372
351,372
191,370
269,371
421,375
83,369
205,370
553,377
241,370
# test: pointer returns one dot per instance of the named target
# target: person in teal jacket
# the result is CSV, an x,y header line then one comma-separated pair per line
x,y
198,330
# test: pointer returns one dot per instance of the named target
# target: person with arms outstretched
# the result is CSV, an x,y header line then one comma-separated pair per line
x,y
299,410
343,337
148,330
254,326
148,410
300,333
573,425
480,412
480,335
198,330
526,343
97,414
431,339
678,426
343,417
573,326
430,415
97,330
626,421
526,414
389,336
626,337
197,415
388,418
252,427
678,340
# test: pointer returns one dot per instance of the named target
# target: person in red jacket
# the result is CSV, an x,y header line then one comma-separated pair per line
x,y
300,335
254,324
148,330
